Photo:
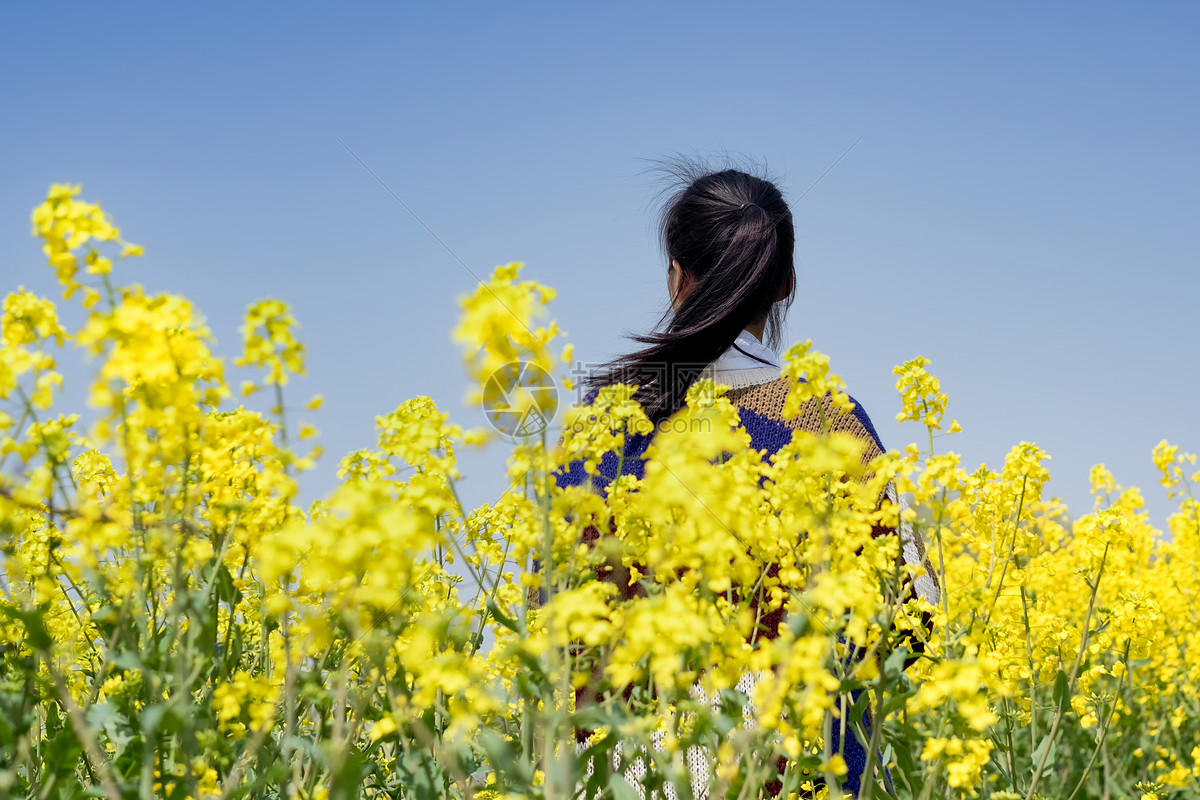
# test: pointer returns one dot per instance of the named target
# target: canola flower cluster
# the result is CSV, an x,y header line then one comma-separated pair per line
x,y
173,624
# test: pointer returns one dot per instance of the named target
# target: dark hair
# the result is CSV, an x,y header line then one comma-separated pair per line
x,y
733,237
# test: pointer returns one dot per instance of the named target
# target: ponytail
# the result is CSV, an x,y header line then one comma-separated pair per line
x,y
733,237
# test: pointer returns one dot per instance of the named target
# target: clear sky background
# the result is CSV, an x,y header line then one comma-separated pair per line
x,y
1023,209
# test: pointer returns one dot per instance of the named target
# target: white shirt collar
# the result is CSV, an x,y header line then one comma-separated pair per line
x,y
740,366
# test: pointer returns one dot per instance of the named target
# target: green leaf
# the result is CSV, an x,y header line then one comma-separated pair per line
x,y
560,770
1061,700
37,634
151,717
126,660
893,667
893,704
226,590
63,749
905,763
501,617
505,758
106,718
419,775
1046,743
622,790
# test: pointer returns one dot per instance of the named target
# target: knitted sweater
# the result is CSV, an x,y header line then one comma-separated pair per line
x,y
759,393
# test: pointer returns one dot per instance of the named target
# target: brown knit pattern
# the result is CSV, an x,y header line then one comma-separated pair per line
x,y
768,400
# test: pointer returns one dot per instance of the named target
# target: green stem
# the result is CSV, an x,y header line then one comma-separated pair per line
x,y
1103,731
1062,706
1012,548
1029,655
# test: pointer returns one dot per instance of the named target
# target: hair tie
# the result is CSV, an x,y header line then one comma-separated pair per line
x,y
744,206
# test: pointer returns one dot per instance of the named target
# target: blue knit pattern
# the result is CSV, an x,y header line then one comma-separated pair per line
x,y
767,433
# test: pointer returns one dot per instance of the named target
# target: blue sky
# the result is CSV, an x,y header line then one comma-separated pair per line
x,y
1022,209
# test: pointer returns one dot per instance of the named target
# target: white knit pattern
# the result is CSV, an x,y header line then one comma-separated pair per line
x,y
913,552
741,378
698,757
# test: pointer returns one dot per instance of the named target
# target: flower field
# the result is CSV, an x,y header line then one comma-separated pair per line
x,y
174,624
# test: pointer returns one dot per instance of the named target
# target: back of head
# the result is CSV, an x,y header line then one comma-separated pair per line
x,y
732,235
